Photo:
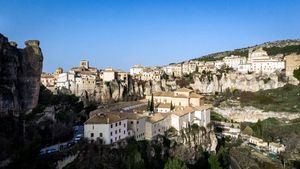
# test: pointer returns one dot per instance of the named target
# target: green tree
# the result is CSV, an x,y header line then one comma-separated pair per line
x,y
135,160
213,162
259,128
297,73
148,105
151,104
174,163
248,130
223,157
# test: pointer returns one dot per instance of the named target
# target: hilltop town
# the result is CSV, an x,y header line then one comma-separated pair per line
x,y
172,98
205,111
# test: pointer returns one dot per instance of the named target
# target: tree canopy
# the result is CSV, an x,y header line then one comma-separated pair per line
x,y
174,163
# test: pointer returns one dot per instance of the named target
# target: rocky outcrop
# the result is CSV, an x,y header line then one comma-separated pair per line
x,y
244,82
20,71
252,114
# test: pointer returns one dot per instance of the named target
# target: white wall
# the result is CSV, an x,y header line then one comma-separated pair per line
x,y
110,132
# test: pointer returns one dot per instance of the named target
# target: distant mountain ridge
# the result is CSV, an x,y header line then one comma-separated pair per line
x,y
272,47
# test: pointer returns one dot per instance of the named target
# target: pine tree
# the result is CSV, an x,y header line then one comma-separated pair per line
x,y
152,104
148,105
174,163
213,162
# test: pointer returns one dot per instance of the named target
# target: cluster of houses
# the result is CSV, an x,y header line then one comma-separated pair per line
x,y
82,78
232,130
176,109
272,147
86,78
258,61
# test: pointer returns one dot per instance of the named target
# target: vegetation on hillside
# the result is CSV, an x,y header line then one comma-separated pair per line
x,y
284,47
283,50
274,130
285,98
21,138
159,153
296,73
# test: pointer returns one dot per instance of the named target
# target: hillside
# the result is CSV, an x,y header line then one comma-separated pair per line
x,y
273,48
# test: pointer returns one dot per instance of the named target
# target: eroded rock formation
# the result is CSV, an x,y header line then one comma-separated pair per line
x,y
20,71
243,82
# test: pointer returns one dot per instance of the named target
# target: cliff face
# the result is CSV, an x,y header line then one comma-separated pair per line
x,y
20,71
243,82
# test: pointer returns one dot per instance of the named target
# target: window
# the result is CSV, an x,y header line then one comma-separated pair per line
x,y
111,126
92,134
137,122
115,138
120,123
131,122
119,137
116,124
100,134
110,133
119,130
124,131
116,131
111,140
124,125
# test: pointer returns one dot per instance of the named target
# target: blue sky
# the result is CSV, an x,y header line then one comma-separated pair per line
x,y
121,33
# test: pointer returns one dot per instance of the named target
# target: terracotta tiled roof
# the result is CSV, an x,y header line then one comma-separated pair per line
x,y
156,117
164,105
203,107
104,118
184,90
47,76
195,95
133,116
166,94
181,111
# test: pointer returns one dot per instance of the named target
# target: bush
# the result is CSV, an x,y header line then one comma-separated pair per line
x,y
296,73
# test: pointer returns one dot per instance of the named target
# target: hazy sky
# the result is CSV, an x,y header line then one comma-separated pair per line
x,y
121,33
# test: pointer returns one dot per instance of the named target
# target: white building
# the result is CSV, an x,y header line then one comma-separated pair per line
x,y
136,70
173,69
234,61
180,97
136,125
109,75
259,62
276,147
66,80
156,124
107,128
163,107
219,64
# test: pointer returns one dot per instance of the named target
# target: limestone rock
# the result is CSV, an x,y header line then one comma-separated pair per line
x,y
20,71
234,80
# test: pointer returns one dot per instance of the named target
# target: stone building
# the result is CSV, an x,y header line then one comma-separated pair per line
x,y
260,62
107,128
109,74
136,70
180,97
48,80
234,61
